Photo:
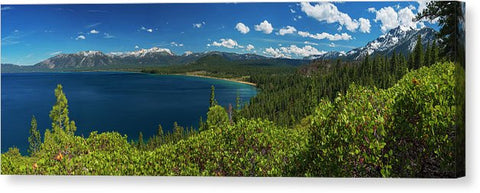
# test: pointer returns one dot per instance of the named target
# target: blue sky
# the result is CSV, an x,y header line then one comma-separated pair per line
x,y
32,33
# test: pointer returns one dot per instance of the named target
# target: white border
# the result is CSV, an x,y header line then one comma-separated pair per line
x,y
231,184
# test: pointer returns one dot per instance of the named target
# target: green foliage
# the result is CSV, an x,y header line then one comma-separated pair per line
x,y
35,139
349,135
407,130
59,114
424,122
217,117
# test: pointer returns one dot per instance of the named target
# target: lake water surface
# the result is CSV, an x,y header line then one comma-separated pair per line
x,y
109,101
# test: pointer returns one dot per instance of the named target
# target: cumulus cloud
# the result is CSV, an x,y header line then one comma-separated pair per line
x,y
264,27
372,10
274,52
242,28
80,37
405,17
328,12
250,47
199,25
137,47
324,35
388,17
288,52
364,25
391,19
287,30
228,43
332,45
292,11
93,31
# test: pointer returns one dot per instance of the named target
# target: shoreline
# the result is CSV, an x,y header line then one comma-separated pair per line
x,y
212,77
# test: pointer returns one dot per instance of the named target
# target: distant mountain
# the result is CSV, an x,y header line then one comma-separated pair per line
x,y
401,40
148,57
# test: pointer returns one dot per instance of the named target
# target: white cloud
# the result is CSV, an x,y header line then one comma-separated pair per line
x,y
265,27
93,31
80,37
188,53
242,28
107,36
250,47
228,43
55,53
287,52
137,47
276,53
324,35
292,11
405,17
372,10
364,25
388,17
176,44
391,19
199,25
329,13
310,43
287,30
422,4
332,45
146,29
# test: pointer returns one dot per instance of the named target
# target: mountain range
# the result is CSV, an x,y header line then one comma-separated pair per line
x,y
400,40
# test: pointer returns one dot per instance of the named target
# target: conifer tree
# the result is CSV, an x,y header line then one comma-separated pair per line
x,y
418,53
140,140
34,139
213,102
434,53
160,130
427,57
59,114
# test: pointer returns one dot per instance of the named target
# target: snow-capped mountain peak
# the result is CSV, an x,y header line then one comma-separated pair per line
x,y
143,52
401,39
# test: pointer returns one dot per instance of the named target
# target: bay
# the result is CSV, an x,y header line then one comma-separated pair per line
x,y
127,103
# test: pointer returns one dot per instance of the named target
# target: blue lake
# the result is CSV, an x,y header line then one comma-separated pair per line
x,y
128,103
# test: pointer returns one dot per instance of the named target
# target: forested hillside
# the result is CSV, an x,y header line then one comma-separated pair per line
x,y
355,135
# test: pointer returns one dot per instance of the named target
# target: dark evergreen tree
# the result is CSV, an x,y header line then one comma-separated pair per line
x,y
418,53
451,19
35,140
212,96
140,140
434,53
428,51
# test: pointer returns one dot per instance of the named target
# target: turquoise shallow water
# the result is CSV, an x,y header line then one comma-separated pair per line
x,y
109,101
